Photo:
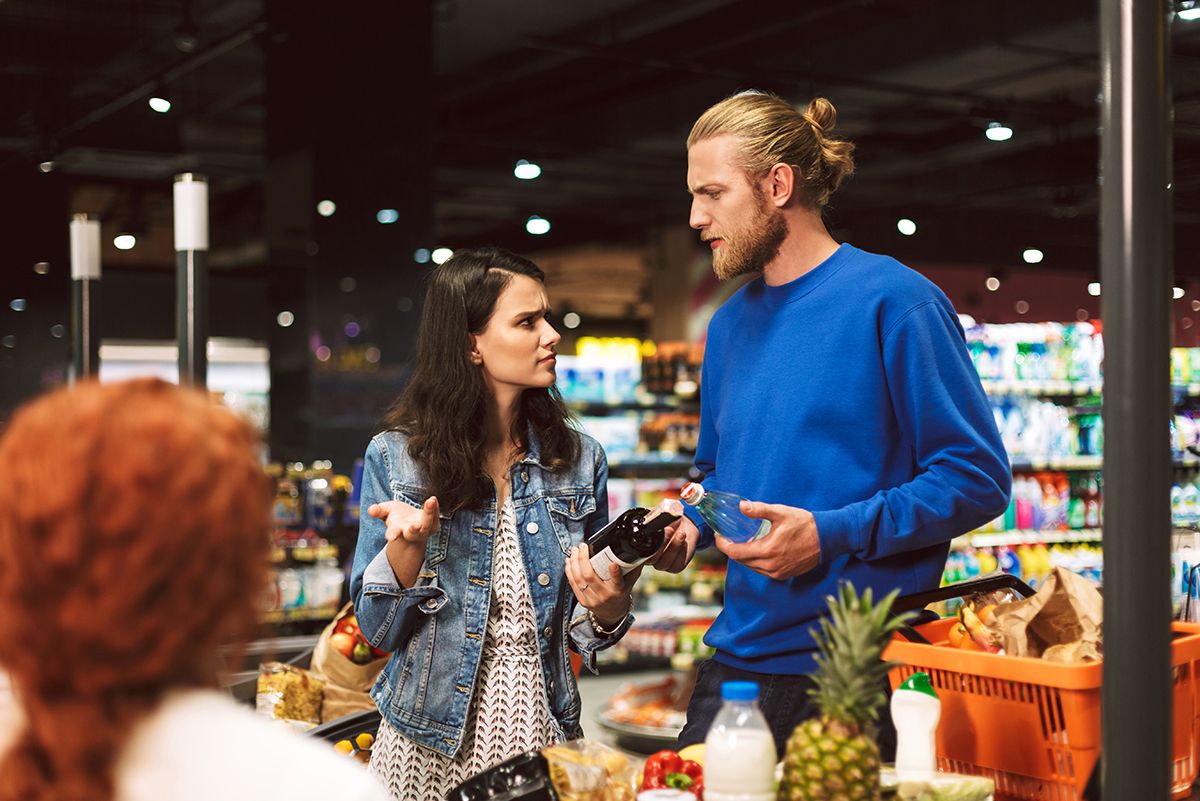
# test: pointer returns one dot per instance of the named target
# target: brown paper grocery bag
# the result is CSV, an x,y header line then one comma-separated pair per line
x,y
338,671
1062,622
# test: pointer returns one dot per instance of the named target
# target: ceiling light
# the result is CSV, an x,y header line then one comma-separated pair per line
x,y
42,267
1022,307
1196,305
1189,10
323,353
352,329
571,320
46,166
537,225
1094,289
17,304
906,227
1033,256
1177,292
160,104
326,208
993,283
422,255
387,216
998,132
9,341
124,241
442,255
57,331
372,355
526,170
285,319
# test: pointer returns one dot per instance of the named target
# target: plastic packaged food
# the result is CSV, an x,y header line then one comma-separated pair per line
x,y
289,694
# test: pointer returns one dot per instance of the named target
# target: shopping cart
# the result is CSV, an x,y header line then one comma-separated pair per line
x,y
1032,726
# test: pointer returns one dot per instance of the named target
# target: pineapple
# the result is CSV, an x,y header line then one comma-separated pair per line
x,y
834,757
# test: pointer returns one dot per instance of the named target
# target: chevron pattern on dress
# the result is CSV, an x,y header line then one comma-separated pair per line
x,y
509,711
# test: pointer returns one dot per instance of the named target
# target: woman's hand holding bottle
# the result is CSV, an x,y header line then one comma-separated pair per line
x,y
607,598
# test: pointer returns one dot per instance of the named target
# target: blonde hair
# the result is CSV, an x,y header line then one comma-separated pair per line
x,y
771,131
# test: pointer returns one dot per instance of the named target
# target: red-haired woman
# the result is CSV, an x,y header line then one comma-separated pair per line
x,y
133,542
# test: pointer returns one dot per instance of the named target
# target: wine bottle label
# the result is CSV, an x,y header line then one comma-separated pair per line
x,y
604,558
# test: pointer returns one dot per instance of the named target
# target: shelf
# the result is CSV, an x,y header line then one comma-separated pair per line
x,y
1043,388
1086,463
1026,537
650,462
325,613
304,553
1066,389
599,408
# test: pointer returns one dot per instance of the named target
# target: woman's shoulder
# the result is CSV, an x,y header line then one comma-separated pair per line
x,y
200,744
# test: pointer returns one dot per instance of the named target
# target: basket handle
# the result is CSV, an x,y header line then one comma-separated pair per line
x,y
1000,581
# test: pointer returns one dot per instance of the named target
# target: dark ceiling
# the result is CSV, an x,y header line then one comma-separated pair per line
x,y
601,95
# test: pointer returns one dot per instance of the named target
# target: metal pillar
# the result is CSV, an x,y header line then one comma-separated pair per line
x,y
1135,245
191,277
85,280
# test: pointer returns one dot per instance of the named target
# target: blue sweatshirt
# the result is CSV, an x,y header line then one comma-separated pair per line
x,y
848,392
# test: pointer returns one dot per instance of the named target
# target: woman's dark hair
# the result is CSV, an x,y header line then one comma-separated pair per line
x,y
445,407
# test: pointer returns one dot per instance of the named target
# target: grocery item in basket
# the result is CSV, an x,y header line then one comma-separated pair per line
x,y
525,777
289,694
940,787
1062,622
584,770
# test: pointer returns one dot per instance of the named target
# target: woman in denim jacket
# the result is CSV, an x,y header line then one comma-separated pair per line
x,y
468,567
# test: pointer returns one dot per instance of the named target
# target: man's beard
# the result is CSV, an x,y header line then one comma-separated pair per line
x,y
753,250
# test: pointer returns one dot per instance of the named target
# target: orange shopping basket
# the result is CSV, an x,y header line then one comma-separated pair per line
x,y
1032,726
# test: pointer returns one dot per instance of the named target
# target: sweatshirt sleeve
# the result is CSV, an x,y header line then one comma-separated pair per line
x,y
706,449
962,474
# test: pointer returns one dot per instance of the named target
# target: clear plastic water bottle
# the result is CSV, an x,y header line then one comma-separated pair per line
x,y
722,511
739,751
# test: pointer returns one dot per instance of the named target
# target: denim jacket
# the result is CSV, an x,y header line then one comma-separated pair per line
x,y
435,629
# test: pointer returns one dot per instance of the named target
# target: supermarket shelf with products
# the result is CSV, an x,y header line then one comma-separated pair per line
x,y
315,514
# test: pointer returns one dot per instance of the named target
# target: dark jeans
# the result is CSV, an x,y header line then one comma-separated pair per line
x,y
784,701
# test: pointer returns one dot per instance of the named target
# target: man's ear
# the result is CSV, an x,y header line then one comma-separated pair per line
x,y
780,184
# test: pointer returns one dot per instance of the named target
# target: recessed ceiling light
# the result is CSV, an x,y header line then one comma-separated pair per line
x,y
993,283
285,319
526,170
160,104
1033,256
422,255
571,320
442,255
1094,289
537,225
1177,292
387,216
906,226
124,241
998,132
1022,307
326,208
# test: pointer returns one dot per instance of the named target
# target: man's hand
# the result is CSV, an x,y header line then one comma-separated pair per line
x,y
679,545
406,522
790,549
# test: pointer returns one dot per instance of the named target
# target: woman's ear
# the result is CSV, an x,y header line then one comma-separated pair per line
x,y
476,356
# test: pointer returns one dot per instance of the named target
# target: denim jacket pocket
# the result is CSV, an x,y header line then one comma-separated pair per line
x,y
569,513
438,543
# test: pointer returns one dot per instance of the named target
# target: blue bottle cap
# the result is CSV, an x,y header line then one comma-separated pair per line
x,y
739,691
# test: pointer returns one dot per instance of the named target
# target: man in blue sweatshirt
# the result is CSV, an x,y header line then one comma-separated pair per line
x,y
837,395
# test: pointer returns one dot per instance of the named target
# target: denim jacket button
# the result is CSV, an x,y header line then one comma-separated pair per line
x,y
543,579
547,632
525,476
532,528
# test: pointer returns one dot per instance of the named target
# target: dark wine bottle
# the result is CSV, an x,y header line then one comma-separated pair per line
x,y
628,541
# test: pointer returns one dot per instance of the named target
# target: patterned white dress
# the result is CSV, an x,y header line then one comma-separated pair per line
x,y
509,712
